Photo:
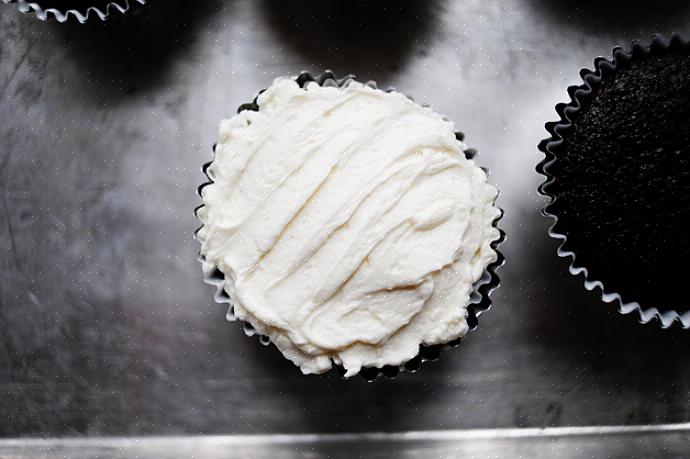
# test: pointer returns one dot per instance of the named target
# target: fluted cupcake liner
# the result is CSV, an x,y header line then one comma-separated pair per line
x,y
579,95
83,14
479,302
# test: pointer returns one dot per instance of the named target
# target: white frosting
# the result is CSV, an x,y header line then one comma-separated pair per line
x,y
348,223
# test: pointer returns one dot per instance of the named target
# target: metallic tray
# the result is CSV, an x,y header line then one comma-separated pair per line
x,y
112,346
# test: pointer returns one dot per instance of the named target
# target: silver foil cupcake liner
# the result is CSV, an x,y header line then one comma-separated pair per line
x,y
566,111
480,301
83,14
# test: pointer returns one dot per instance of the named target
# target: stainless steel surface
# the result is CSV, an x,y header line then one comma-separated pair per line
x,y
105,325
565,443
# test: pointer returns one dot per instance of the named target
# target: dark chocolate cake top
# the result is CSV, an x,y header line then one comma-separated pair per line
x,y
622,181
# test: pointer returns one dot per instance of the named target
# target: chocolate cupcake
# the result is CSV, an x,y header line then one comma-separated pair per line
x,y
347,226
81,10
618,175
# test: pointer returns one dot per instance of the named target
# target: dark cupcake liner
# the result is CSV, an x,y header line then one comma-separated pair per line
x,y
480,301
579,95
82,15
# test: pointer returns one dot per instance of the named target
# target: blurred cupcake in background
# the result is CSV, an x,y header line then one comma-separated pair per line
x,y
618,176
347,226
79,10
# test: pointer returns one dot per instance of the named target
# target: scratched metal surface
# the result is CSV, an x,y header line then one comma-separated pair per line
x,y
466,444
105,325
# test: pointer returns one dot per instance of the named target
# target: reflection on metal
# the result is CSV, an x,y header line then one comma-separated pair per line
x,y
666,440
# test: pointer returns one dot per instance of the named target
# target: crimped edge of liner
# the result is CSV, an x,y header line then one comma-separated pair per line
x,y
578,95
82,15
479,302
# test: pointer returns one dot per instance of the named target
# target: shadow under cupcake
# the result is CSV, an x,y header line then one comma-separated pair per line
x,y
340,252
618,177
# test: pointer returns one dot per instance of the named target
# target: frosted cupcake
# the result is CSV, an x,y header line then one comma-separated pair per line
x,y
347,224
